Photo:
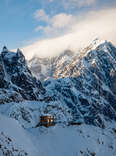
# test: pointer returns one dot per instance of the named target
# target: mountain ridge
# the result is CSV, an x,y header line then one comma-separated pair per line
x,y
86,84
79,93
45,68
16,77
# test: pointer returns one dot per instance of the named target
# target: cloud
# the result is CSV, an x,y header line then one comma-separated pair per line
x,y
85,2
57,24
75,3
41,15
39,28
51,0
62,20
79,33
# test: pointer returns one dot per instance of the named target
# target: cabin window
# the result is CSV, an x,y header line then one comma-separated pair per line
x,y
0,67
46,121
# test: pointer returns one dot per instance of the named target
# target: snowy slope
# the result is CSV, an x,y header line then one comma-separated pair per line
x,y
71,141
74,141
28,113
45,68
40,67
60,140
13,139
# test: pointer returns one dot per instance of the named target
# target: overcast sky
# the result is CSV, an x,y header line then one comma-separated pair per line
x,y
47,27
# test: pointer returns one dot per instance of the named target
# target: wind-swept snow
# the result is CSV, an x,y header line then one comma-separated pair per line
x,y
74,141
59,140
10,128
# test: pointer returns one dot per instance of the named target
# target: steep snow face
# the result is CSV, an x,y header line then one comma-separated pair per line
x,y
62,62
45,68
17,82
81,140
13,139
89,87
40,67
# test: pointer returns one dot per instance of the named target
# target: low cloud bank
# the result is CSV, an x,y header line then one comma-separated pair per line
x,y
82,31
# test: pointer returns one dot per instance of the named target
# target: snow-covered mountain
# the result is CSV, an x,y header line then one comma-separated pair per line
x,y
22,96
17,82
78,89
86,83
40,67
45,68
82,84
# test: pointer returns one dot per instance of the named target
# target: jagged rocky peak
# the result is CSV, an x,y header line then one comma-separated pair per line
x,y
97,44
4,49
67,53
88,84
13,56
16,76
20,56
97,41
44,68
60,65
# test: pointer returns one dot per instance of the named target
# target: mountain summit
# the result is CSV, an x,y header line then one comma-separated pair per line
x,y
87,85
17,82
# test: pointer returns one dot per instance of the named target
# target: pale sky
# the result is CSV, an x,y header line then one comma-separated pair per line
x,y
47,27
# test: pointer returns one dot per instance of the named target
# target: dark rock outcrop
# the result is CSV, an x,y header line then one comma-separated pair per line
x,y
16,80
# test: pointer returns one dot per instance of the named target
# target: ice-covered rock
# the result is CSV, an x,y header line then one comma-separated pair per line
x,y
88,84
17,82
45,68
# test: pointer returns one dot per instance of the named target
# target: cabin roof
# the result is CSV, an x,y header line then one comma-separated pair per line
x,y
47,115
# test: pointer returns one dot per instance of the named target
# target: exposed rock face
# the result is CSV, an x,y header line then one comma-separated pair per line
x,y
88,88
17,82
